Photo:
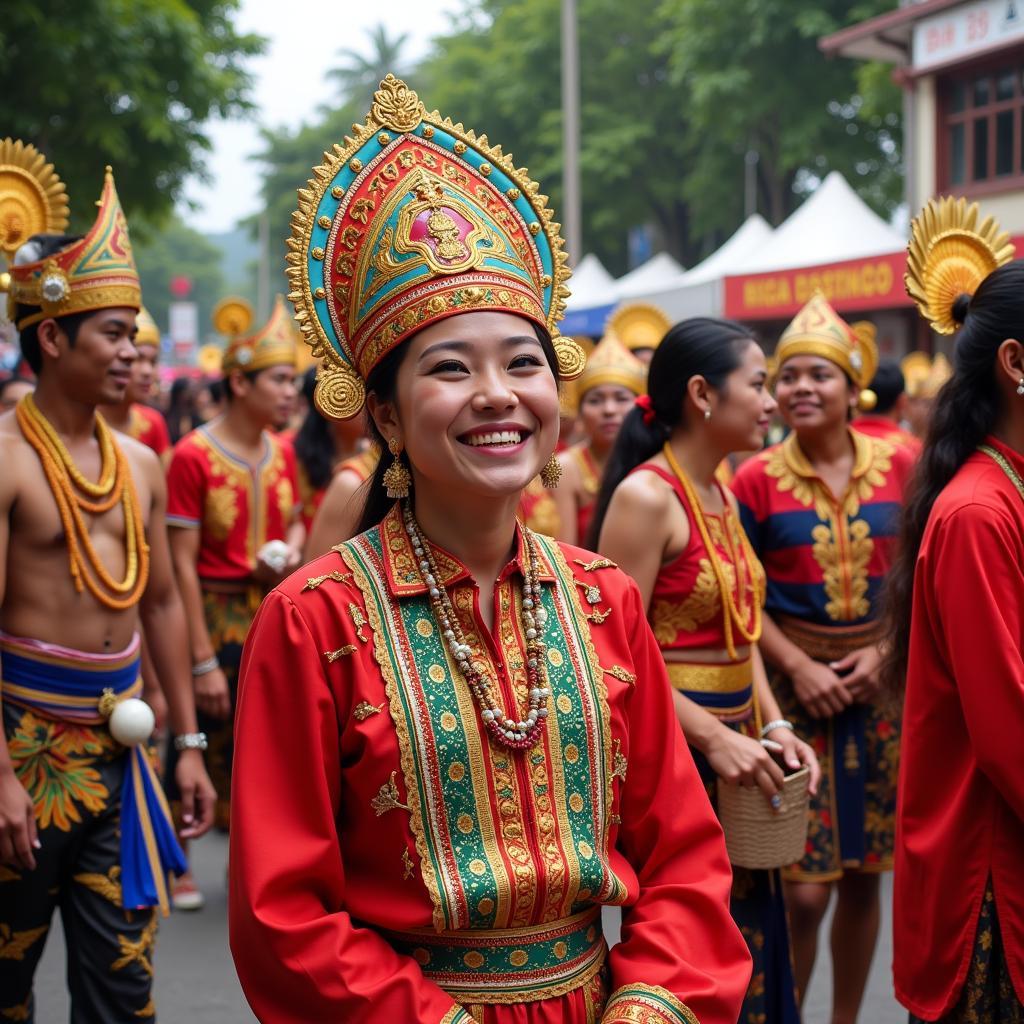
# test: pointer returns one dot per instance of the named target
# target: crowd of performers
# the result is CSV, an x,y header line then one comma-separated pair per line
x,y
479,643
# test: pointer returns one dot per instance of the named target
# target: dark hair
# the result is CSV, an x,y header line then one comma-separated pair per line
x,y
181,410
314,443
888,384
966,411
701,346
42,246
382,382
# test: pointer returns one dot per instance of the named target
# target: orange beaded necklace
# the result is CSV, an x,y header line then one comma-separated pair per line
x,y
115,485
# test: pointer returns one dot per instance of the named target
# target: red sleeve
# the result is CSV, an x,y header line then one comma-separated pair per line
x,y
978,579
298,954
186,486
159,438
681,958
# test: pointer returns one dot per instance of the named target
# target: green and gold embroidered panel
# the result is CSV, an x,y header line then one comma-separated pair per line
x,y
504,838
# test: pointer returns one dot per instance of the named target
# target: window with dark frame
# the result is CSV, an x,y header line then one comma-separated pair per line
x,y
982,128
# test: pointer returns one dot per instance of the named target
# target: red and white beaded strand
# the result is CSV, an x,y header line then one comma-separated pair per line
x,y
504,731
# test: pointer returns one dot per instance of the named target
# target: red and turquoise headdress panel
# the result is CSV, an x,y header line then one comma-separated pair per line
x,y
411,220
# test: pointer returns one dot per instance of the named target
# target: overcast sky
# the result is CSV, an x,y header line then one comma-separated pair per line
x,y
304,39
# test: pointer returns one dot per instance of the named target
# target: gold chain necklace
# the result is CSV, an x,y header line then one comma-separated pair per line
x,y
115,485
1002,462
731,614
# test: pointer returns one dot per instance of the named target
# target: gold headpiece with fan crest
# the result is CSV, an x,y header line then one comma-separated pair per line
x,y
232,316
950,256
33,199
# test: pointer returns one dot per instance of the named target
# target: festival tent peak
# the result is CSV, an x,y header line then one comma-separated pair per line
x,y
592,298
698,291
831,225
833,243
655,275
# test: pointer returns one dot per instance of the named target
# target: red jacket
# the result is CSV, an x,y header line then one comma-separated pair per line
x,y
961,791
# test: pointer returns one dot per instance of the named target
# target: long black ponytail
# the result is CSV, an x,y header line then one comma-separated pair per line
x,y
701,346
966,410
382,382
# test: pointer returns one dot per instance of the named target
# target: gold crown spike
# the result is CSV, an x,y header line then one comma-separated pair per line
x,y
33,199
232,316
639,325
147,332
612,363
948,256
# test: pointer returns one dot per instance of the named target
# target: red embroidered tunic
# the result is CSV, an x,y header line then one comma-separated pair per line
x,y
591,477
884,428
238,509
686,608
537,509
961,784
147,425
826,556
390,863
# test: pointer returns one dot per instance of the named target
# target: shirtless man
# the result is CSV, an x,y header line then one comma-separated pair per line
x,y
70,836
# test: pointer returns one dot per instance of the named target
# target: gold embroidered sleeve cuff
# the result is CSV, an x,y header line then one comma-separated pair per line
x,y
650,1004
456,1015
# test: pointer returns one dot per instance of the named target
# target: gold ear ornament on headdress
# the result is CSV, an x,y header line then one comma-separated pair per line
x,y
639,325
33,199
949,256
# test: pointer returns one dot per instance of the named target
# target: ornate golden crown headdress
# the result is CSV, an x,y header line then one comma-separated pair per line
x,y
948,256
639,325
274,344
612,363
33,199
410,220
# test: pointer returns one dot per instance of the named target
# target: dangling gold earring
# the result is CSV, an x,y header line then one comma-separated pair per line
x,y
551,473
397,480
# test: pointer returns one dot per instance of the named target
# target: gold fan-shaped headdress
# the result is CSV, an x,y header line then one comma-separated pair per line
x,y
232,316
33,199
950,256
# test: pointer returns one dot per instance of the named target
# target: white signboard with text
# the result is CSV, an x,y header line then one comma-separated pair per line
x,y
967,31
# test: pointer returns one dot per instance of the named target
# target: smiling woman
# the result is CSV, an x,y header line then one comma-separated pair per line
x,y
488,752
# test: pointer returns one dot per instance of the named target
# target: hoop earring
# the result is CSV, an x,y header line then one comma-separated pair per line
x,y
397,479
551,473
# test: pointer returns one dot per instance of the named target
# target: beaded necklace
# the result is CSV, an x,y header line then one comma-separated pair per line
x,y
733,616
114,486
504,731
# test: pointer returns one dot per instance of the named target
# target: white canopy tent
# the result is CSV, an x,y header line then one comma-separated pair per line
x,y
698,291
591,300
834,224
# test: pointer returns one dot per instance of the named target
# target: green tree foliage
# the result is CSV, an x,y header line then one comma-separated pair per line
x,y
358,76
124,82
754,79
673,95
179,250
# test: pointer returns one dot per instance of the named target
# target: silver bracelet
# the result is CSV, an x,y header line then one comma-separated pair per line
x,y
190,741
776,723
200,668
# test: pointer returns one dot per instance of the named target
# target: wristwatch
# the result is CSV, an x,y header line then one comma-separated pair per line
x,y
191,741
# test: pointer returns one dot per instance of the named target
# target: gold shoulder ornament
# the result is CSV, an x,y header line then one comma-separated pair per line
x,y
949,256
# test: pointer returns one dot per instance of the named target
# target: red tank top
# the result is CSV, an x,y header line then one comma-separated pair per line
x,y
686,610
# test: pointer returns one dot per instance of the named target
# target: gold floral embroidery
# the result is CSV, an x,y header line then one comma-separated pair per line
x,y
137,951
701,605
221,510
597,563
17,1013
387,799
13,945
364,709
619,762
337,577
149,1010
333,656
618,672
845,573
597,617
285,500
591,593
408,868
108,886
358,620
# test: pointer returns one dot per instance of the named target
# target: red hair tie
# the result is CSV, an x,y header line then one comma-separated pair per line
x,y
644,402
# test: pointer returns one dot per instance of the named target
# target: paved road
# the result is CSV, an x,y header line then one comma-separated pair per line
x,y
195,979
